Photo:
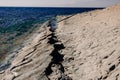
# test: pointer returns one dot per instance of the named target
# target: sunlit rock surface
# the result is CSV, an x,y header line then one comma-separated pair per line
x,y
84,47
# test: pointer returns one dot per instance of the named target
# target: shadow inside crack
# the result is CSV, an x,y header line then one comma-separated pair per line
x,y
57,58
55,67
53,39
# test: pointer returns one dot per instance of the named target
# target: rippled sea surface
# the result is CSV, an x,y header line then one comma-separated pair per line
x,y
10,16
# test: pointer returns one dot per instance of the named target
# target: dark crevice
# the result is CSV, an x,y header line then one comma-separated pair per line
x,y
105,77
100,78
112,68
48,70
57,58
53,39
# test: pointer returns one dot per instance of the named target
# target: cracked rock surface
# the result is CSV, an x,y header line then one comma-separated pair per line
x,y
84,47
92,45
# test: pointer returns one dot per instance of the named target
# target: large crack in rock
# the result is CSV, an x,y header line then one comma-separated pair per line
x,y
55,70
83,47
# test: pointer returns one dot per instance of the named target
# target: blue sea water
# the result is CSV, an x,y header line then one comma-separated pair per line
x,y
10,16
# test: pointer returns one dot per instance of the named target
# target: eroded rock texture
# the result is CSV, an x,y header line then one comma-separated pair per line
x,y
84,47
33,59
92,42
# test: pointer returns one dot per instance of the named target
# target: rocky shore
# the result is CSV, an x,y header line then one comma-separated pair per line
x,y
83,47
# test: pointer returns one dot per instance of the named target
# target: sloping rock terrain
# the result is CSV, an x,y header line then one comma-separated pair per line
x,y
92,42
83,47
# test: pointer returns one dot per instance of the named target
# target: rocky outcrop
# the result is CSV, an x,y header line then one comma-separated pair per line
x,y
33,58
92,42
83,47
